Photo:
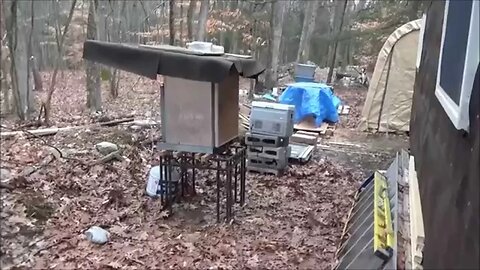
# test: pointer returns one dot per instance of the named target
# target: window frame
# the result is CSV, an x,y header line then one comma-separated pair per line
x,y
459,114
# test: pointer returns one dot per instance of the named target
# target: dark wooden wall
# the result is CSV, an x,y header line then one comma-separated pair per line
x,y
447,163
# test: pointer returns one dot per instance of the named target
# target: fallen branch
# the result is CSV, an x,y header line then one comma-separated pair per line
x,y
6,186
53,131
115,122
107,158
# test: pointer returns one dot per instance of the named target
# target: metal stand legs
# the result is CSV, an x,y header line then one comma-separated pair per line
x,y
229,168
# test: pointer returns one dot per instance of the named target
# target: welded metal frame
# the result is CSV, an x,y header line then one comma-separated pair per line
x,y
229,163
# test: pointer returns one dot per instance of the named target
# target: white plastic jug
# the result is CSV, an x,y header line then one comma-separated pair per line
x,y
153,181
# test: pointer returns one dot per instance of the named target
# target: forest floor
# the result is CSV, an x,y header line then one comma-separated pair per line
x,y
294,221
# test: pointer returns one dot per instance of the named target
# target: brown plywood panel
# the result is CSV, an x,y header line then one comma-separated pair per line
x,y
226,100
187,112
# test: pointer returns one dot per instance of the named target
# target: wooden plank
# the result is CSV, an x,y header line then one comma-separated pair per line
x,y
343,109
301,138
307,133
339,109
417,233
308,124
244,109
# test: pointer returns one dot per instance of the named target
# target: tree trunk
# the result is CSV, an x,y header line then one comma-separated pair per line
x,y
47,104
37,78
234,42
30,96
181,24
114,81
171,21
338,23
311,9
5,84
17,40
279,14
94,94
191,9
202,21
253,49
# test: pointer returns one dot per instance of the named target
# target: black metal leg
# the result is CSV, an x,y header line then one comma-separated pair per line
x,y
242,178
183,161
168,178
230,164
228,191
218,192
160,187
193,174
235,184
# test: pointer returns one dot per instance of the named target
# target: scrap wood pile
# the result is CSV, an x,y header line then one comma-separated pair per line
x,y
295,220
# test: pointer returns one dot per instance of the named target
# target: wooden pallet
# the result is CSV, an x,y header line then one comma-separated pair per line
x,y
301,137
343,110
325,129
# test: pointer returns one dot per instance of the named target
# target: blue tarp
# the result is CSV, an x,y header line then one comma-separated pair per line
x,y
312,99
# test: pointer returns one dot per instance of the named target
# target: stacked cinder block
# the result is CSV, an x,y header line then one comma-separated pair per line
x,y
271,125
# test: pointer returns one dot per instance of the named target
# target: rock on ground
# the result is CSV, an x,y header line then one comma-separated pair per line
x,y
106,148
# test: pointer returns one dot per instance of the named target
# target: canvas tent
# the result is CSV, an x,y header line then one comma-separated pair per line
x,y
389,98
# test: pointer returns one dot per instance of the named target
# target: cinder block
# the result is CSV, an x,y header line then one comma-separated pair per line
x,y
280,153
266,163
265,140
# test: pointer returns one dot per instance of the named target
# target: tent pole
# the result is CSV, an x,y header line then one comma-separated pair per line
x,y
386,88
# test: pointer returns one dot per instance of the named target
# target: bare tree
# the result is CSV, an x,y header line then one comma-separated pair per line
x,y
202,21
171,21
311,9
4,80
340,9
46,105
33,65
278,16
181,25
191,9
37,78
19,72
4,63
94,94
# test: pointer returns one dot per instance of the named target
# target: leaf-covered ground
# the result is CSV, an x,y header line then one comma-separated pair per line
x,y
289,222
